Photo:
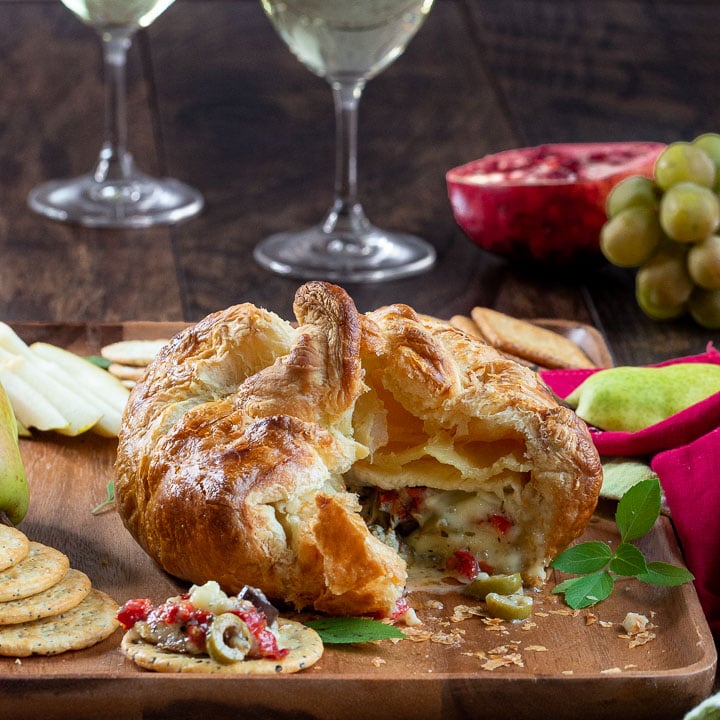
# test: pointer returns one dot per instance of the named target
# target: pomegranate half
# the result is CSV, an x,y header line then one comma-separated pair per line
x,y
546,202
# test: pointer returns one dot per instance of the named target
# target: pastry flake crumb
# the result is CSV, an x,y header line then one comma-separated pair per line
x,y
417,634
638,630
503,661
638,639
454,637
463,612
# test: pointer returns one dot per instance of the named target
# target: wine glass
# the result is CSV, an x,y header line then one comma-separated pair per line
x,y
347,42
115,193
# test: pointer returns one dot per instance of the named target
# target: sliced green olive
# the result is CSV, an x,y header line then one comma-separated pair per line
x,y
509,607
500,584
229,639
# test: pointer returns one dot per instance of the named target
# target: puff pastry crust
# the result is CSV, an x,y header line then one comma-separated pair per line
x,y
246,445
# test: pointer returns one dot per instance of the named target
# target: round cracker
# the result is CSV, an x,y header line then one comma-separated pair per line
x,y
14,546
304,644
43,567
88,623
133,352
59,598
126,372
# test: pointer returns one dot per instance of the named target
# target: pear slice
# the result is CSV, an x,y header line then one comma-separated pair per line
x,y
70,395
31,408
97,385
80,415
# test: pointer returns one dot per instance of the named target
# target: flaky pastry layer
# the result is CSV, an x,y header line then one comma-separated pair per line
x,y
245,444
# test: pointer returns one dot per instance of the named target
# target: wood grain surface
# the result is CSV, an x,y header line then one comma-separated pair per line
x,y
217,100
580,663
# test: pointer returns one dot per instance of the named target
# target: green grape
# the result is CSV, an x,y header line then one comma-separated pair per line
x,y
683,162
663,284
704,263
710,144
632,191
689,212
704,307
631,237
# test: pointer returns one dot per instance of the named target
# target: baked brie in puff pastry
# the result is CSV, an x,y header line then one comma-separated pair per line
x,y
314,461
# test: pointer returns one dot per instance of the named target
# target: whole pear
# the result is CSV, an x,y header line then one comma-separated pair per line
x,y
632,398
14,490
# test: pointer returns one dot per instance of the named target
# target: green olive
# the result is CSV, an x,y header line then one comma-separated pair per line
x,y
500,584
509,607
229,639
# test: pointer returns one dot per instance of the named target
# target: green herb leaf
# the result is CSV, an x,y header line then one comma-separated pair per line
x,y
109,500
636,514
587,557
660,573
628,560
344,630
581,592
638,509
98,360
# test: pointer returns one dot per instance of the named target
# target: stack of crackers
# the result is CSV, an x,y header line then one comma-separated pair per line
x,y
47,607
129,358
522,340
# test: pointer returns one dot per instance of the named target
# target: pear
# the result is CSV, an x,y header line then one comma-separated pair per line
x,y
32,409
95,385
99,381
633,398
14,489
79,414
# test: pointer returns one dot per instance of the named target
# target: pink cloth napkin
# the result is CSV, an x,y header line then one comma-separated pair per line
x,y
684,451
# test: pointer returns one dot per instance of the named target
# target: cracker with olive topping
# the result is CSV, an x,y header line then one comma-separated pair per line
x,y
207,631
303,643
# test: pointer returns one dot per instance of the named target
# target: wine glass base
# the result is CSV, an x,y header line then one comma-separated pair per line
x,y
137,202
370,257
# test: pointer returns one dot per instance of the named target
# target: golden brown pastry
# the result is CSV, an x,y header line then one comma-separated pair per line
x,y
496,467
232,452
247,445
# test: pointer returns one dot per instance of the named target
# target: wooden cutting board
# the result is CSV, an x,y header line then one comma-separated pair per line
x,y
563,664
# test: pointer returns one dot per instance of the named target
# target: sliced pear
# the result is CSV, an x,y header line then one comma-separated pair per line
x,y
93,383
80,414
30,407
92,376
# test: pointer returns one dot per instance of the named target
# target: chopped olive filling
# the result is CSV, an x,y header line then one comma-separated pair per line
x,y
464,532
207,621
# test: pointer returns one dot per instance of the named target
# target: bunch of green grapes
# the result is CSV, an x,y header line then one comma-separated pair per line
x,y
668,228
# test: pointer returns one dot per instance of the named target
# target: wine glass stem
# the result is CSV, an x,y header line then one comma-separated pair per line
x,y
115,162
346,210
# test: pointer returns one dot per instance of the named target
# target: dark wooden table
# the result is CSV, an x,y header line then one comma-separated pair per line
x,y
216,99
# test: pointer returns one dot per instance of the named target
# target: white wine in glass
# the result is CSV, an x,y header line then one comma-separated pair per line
x,y
115,193
347,42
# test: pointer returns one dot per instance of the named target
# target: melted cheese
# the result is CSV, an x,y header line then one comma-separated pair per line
x,y
457,520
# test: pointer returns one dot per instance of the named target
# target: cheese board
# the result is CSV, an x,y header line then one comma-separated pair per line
x,y
457,664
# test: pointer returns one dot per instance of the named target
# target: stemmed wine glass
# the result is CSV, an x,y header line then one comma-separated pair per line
x,y
347,42
115,193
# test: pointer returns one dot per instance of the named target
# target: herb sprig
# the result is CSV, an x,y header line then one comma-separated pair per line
x,y
599,566
109,500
